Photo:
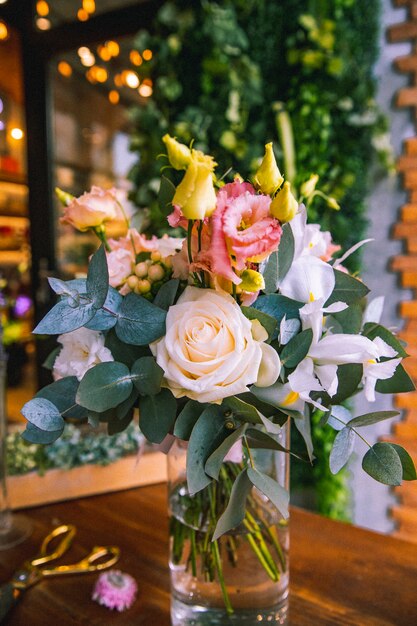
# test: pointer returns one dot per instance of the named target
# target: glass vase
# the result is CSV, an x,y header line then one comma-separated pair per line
x,y
242,579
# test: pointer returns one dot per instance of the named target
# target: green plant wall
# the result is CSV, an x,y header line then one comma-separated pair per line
x,y
230,75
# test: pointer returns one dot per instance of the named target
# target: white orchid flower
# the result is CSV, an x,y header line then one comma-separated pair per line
x,y
312,315
309,239
374,370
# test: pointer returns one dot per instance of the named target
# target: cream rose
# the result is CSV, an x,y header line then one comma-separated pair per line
x,y
91,209
209,351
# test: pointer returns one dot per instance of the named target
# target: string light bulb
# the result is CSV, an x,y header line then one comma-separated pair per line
x,y
82,15
43,23
130,79
17,134
64,69
4,32
135,58
89,6
147,54
42,8
114,96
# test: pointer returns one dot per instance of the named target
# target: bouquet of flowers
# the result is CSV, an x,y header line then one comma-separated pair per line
x,y
218,339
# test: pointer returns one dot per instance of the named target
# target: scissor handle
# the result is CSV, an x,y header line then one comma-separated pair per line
x,y
88,564
45,556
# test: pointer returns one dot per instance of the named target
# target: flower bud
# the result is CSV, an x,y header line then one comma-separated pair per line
x,y
268,177
284,206
179,154
333,203
64,197
309,186
132,282
251,281
195,195
143,286
155,255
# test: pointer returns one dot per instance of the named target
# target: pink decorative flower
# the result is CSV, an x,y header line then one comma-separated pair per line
x,y
120,263
91,210
115,590
243,230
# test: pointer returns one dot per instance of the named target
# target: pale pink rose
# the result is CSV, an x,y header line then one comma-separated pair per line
x,y
91,210
120,263
242,228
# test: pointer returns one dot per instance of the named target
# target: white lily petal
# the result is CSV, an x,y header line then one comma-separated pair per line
x,y
373,311
327,375
336,307
309,278
350,251
383,348
270,366
343,348
303,379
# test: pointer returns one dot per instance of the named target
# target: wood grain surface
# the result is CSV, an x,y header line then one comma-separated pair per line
x,y
340,575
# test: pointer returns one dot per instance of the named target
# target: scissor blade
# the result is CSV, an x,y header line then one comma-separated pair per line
x,y
9,596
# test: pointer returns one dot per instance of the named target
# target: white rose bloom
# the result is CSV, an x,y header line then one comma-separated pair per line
x,y
209,351
81,350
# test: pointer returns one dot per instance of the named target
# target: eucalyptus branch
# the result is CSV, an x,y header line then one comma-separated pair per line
x,y
352,428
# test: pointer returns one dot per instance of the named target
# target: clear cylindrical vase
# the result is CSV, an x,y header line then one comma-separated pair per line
x,y
242,579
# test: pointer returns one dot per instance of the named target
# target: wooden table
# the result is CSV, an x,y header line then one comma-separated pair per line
x,y
340,575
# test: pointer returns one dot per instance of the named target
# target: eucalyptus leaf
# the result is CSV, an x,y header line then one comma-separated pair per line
x,y
140,322
62,394
104,386
103,319
262,406
119,425
372,418
268,322
383,463
147,376
241,410
63,288
350,319
33,434
399,383
215,460
303,425
347,289
50,359
124,352
187,418
285,251
271,273
43,414
165,195
123,409
342,449
277,306
208,433
339,417
235,511
271,489
288,329
63,318
157,415
409,470
296,349
166,294
98,277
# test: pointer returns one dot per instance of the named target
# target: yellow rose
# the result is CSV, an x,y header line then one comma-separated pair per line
x,y
91,210
179,154
195,195
284,206
268,177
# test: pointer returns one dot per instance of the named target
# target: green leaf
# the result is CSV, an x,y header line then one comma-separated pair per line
x,y
157,415
50,359
64,288
409,470
119,425
347,289
98,278
350,319
124,352
63,318
303,425
165,195
140,322
43,414
62,394
33,434
279,262
371,418
241,410
208,433
271,489
258,439
235,511
372,330
147,376
268,322
383,463
277,306
271,273
296,349
103,320
342,449
123,408
215,460
104,386
263,407
288,329
187,418
166,294
399,383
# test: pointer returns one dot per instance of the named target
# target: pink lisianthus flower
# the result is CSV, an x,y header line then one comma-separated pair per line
x,y
243,230
202,259
122,257
91,210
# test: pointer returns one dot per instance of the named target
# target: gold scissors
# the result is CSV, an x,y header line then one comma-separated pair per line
x,y
32,571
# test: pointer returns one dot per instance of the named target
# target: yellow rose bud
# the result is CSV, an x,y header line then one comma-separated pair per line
x,y
64,197
251,281
333,203
195,195
179,154
284,206
309,186
268,177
